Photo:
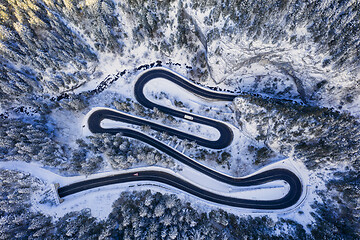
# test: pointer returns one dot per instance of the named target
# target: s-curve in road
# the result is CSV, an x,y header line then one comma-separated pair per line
x,y
226,136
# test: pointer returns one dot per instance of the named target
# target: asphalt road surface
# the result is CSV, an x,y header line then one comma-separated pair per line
x,y
224,140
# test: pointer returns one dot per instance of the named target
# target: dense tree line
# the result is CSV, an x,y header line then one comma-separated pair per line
x,y
33,140
319,137
152,29
41,52
143,215
36,37
122,152
17,222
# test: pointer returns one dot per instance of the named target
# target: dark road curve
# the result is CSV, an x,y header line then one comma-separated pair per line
x,y
226,134
166,178
97,116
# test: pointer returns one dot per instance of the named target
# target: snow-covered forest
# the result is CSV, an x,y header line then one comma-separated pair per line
x,y
294,65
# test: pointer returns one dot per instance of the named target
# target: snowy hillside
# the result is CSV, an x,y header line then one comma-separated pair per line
x,y
295,66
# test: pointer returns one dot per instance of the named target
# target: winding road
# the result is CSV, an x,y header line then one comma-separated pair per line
x,y
225,139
